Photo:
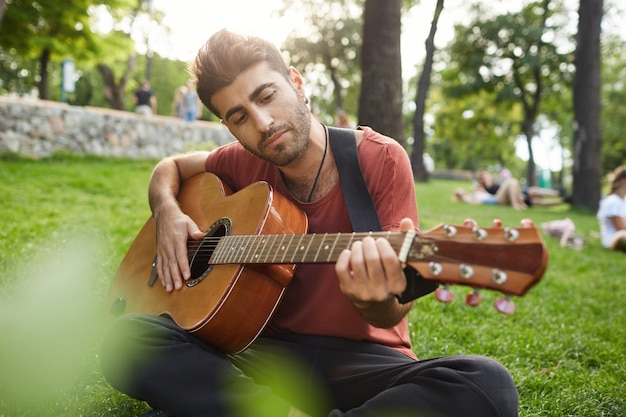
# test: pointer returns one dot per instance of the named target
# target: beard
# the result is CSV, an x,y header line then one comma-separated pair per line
x,y
298,126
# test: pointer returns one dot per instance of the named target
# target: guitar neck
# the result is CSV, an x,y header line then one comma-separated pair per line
x,y
291,249
506,259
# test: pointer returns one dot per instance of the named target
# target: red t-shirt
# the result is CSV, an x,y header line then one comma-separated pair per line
x,y
313,303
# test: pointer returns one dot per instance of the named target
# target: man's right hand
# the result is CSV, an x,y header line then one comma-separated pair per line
x,y
173,227
173,231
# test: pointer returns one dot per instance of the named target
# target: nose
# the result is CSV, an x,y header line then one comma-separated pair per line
x,y
262,119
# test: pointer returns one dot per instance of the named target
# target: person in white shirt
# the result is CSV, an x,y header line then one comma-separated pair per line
x,y
612,212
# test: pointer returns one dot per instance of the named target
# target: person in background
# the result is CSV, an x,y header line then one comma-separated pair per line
x,y
507,194
532,196
612,212
145,100
338,344
486,192
177,103
191,105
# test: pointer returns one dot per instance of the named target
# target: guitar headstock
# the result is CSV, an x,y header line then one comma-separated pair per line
x,y
505,259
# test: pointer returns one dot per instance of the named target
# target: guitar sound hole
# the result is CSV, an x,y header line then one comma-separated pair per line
x,y
200,252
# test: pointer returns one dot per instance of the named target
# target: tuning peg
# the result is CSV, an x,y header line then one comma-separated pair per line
x,y
473,298
444,295
527,222
470,223
505,305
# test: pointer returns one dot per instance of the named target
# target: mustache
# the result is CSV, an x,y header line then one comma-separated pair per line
x,y
270,132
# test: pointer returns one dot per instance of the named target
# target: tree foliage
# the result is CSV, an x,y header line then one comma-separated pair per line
x,y
507,72
51,30
511,56
613,87
472,133
327,50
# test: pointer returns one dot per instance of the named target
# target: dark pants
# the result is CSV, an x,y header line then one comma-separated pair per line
x,y
151,359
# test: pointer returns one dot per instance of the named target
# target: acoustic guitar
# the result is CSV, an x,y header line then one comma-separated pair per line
x,y
254,240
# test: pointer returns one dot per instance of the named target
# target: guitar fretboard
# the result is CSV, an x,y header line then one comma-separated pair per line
x,y
287,249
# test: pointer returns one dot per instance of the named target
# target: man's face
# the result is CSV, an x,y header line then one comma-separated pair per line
x,y
267,113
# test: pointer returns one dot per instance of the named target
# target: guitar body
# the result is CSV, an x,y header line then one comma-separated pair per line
x,y
226,305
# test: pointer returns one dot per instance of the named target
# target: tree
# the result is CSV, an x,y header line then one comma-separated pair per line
x,y
124,63
52,29
472,133
333,43
380,103
417,156
509,55
123,56
587,170
613,96
48,29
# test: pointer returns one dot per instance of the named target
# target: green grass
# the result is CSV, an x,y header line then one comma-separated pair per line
x,y
66,222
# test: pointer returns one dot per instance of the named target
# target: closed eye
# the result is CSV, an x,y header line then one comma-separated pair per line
x,y
263,94
269,96
239,118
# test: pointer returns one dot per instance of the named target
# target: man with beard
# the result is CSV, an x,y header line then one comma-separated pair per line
x,y
338,343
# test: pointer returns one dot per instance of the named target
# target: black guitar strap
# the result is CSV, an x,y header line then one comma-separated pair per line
x,y
361,209
358,200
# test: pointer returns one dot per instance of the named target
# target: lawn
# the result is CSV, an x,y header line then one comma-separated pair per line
x,y
66,222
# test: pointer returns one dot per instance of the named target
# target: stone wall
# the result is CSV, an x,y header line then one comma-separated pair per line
x,y
39,128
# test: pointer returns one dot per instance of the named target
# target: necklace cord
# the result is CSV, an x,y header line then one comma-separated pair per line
x,y
319,170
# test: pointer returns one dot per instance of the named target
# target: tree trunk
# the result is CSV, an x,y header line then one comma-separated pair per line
x,y
417,155
3,8
587,170
380,103
529,131
337,89
114,92
531,101
44,82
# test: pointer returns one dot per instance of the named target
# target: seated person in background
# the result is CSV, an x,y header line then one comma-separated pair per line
x,y
508,193
612,212
533,196
475,197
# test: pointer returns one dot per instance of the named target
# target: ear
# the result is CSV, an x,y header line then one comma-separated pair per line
x,y
296,79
